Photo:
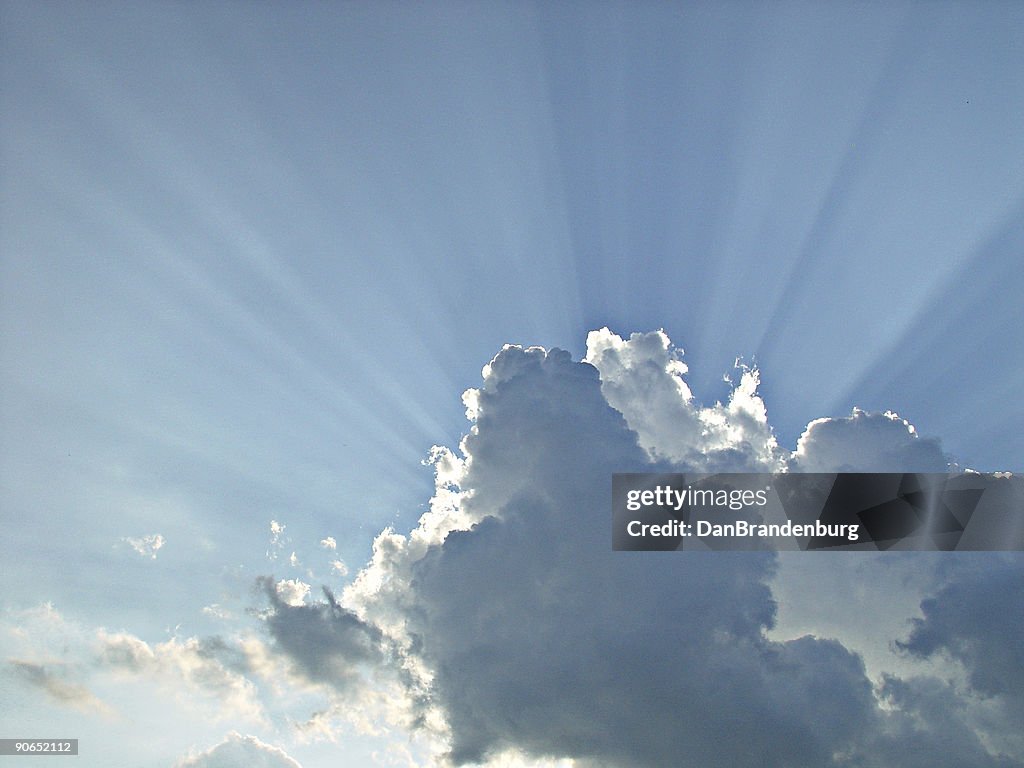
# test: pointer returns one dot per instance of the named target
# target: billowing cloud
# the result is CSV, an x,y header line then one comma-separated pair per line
x,y
540,639
238,751
643,378
524,633
292,591
329,542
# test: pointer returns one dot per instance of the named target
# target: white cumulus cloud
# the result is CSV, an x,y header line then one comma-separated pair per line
x,y
866,442
643,378
292,591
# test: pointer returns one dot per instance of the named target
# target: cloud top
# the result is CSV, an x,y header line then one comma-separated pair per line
x,y
238,751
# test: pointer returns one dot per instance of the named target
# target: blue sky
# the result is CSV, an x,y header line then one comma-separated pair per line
x,y
252,255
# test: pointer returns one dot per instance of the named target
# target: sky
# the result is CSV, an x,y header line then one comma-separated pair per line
x,y
323,325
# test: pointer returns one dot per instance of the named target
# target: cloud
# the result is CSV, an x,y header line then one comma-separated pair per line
x,y
540,639
146,546
928,722
643,378
505,627
521,630
292,591
41,651
216,611
512,632
238,751
52,679
866,442
974,618
325,643
329,543
203,670
278,541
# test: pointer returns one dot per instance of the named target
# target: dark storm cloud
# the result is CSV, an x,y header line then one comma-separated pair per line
x,y
976,618
927,723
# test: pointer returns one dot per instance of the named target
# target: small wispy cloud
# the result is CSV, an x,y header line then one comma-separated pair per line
x,y
216,611
52,679
277,540
146,546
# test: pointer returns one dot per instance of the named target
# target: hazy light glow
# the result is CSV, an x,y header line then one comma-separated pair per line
x,y
252,254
